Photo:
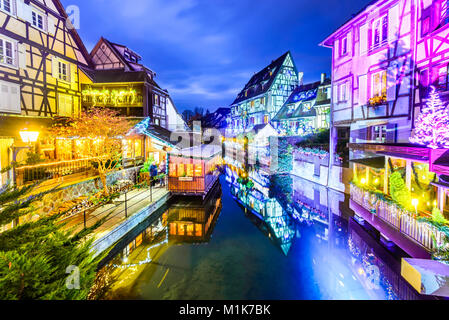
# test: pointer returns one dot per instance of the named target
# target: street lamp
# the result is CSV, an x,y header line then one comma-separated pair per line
x,y
29,136
415,203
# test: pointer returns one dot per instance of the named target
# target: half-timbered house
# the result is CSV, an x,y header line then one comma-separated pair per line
x,y
264,95
306,110
41,60
384,61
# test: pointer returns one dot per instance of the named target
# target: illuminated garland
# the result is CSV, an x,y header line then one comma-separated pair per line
x,y
115,97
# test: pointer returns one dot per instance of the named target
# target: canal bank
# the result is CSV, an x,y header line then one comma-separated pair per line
x,y
256,252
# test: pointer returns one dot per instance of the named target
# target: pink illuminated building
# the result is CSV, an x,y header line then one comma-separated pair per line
x,y
372,69
384,61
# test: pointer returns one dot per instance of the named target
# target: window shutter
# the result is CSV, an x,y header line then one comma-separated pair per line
x,y
23,11
71,72
54,68
363,39
22,55
392,74
9,97
52,25
393,23
349,42
392,130
363,134
363,97
335,94
337,49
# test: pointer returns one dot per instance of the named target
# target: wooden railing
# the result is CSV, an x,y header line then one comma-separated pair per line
x,y
30,174
402,220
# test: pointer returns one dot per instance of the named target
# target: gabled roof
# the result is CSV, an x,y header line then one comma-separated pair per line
x,y
216,119
115,48
304,93
73,32
261,82
325,42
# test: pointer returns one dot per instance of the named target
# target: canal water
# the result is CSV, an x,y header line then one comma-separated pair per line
x,y
275,238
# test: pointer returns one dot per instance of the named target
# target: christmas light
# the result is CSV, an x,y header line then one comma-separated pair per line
x,y
432,128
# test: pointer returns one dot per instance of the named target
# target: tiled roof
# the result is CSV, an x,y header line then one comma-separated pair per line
x,y
303,93
261,82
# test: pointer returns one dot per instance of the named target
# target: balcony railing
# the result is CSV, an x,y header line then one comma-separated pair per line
x,y
402,220
48,171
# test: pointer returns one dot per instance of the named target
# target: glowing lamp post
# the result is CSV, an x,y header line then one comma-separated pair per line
x,y
415,203
29,136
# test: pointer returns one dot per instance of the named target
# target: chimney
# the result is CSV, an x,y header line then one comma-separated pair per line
x,y
300,78
323,78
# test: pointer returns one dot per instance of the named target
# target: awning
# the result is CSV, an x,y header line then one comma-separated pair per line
x,y
404,156
377,162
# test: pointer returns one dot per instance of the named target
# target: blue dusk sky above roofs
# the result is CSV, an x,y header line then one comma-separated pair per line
x,y
205,51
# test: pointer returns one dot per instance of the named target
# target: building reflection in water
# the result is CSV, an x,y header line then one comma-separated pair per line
x,y
343,252
184,220
269,215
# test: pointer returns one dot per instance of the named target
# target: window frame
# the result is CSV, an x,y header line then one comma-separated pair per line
x,y
379,133
11,7
344,46
382,91
62,65
38,13
383,38
4,40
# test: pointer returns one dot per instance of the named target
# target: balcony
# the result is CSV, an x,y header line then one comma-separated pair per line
x,y
401,220
54,171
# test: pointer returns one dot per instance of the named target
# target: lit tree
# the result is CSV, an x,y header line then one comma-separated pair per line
x,y
103,129
432,128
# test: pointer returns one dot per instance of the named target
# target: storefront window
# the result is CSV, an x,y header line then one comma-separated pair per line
x,y
190,170
421,187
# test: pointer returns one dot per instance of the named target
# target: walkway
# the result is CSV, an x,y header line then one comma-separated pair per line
x,y
118,211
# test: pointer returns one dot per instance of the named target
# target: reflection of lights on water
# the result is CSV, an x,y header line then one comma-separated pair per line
x,y
341,283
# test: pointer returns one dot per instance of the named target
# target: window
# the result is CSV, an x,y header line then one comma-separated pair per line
x,y
343,92
380,133
9,97
252,103
379,84
442,78
444,12
380,31
344,46
425,26
156,99
65,104
266,119
63,71
6,5
262,101
7,52
37,20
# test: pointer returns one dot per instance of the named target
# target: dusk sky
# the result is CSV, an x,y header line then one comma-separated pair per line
x,y
205,51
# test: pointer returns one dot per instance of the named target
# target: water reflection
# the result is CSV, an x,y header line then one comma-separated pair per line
x,y
306,246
